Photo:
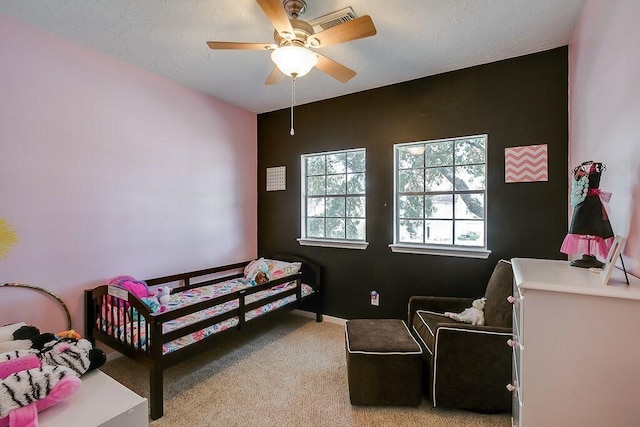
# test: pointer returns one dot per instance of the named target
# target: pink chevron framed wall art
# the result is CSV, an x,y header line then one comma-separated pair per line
x,y
528,163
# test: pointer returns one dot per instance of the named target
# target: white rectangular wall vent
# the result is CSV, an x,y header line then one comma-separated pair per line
x,y
332,19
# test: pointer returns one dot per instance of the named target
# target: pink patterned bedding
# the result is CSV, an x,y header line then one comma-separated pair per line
x,y
192,296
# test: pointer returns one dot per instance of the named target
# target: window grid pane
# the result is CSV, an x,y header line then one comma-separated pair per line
x,y
356,229
315,206
355,183
356,161
316,185
316,165
315,227
335,207
355,207
335,228
336,184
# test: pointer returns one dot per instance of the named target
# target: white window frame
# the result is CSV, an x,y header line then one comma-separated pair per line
x,y
431,248
325,242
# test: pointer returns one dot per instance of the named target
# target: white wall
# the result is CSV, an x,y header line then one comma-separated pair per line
x,y
605,109
106,169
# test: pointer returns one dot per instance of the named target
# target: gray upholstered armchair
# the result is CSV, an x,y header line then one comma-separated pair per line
x,y
467,366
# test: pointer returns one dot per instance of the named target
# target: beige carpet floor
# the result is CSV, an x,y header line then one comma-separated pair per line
x,y
283,370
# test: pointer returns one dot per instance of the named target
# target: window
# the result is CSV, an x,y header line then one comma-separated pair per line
x,y
440,197
333,201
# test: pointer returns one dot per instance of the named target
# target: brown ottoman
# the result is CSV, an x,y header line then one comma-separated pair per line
x,y
384,363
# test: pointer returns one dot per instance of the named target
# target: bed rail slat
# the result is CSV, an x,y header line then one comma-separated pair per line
x,y
189,275
202,324
242,311
174,314
268,299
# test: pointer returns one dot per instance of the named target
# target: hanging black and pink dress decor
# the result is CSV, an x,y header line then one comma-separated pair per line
x,y
590,233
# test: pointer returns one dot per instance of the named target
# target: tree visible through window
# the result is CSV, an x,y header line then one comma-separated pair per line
x,y
333,194
441,192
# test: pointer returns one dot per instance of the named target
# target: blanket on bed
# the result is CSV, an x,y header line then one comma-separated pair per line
x,y
117,320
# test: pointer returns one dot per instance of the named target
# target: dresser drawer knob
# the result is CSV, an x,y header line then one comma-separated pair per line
x,y
511,387
512,299
512,343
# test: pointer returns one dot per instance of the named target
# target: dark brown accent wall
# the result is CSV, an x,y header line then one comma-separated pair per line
x,y
519,101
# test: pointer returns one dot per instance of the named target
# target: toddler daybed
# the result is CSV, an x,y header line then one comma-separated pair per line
x,y
219,299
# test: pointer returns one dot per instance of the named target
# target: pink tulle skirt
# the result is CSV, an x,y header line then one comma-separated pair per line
x,y
577,244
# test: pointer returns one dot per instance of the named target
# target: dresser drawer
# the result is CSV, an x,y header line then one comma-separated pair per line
x,y
516,373
517,300
516,389
517,334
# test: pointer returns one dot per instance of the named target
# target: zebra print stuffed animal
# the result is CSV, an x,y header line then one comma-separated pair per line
x,y
78,355
25,393
34,379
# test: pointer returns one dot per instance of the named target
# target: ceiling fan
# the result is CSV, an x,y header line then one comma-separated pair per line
x,y
295,41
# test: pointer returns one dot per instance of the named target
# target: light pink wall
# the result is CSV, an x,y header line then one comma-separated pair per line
x,y
605,108
106,169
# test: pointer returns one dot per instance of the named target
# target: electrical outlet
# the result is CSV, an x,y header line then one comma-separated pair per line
x,y
375,298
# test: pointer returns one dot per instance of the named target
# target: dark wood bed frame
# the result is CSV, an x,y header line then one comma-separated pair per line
x,y
151,356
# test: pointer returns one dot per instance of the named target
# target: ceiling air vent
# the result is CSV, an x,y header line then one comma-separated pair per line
x,y
332,19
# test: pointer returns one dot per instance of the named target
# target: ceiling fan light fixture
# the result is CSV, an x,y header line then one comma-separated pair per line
x,y
294,60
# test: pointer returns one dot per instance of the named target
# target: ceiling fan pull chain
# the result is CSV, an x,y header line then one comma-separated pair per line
x,y
293,101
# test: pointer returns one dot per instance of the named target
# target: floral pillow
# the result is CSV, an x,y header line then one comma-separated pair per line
x,y
281,268
254,267
273,269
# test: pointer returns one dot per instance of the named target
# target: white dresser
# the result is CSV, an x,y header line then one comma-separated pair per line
x,y
576,347
100,402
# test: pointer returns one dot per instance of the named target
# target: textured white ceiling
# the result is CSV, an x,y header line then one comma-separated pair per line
x,y
416,38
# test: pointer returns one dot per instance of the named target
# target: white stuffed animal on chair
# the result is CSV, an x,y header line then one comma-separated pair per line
x,y
473,315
